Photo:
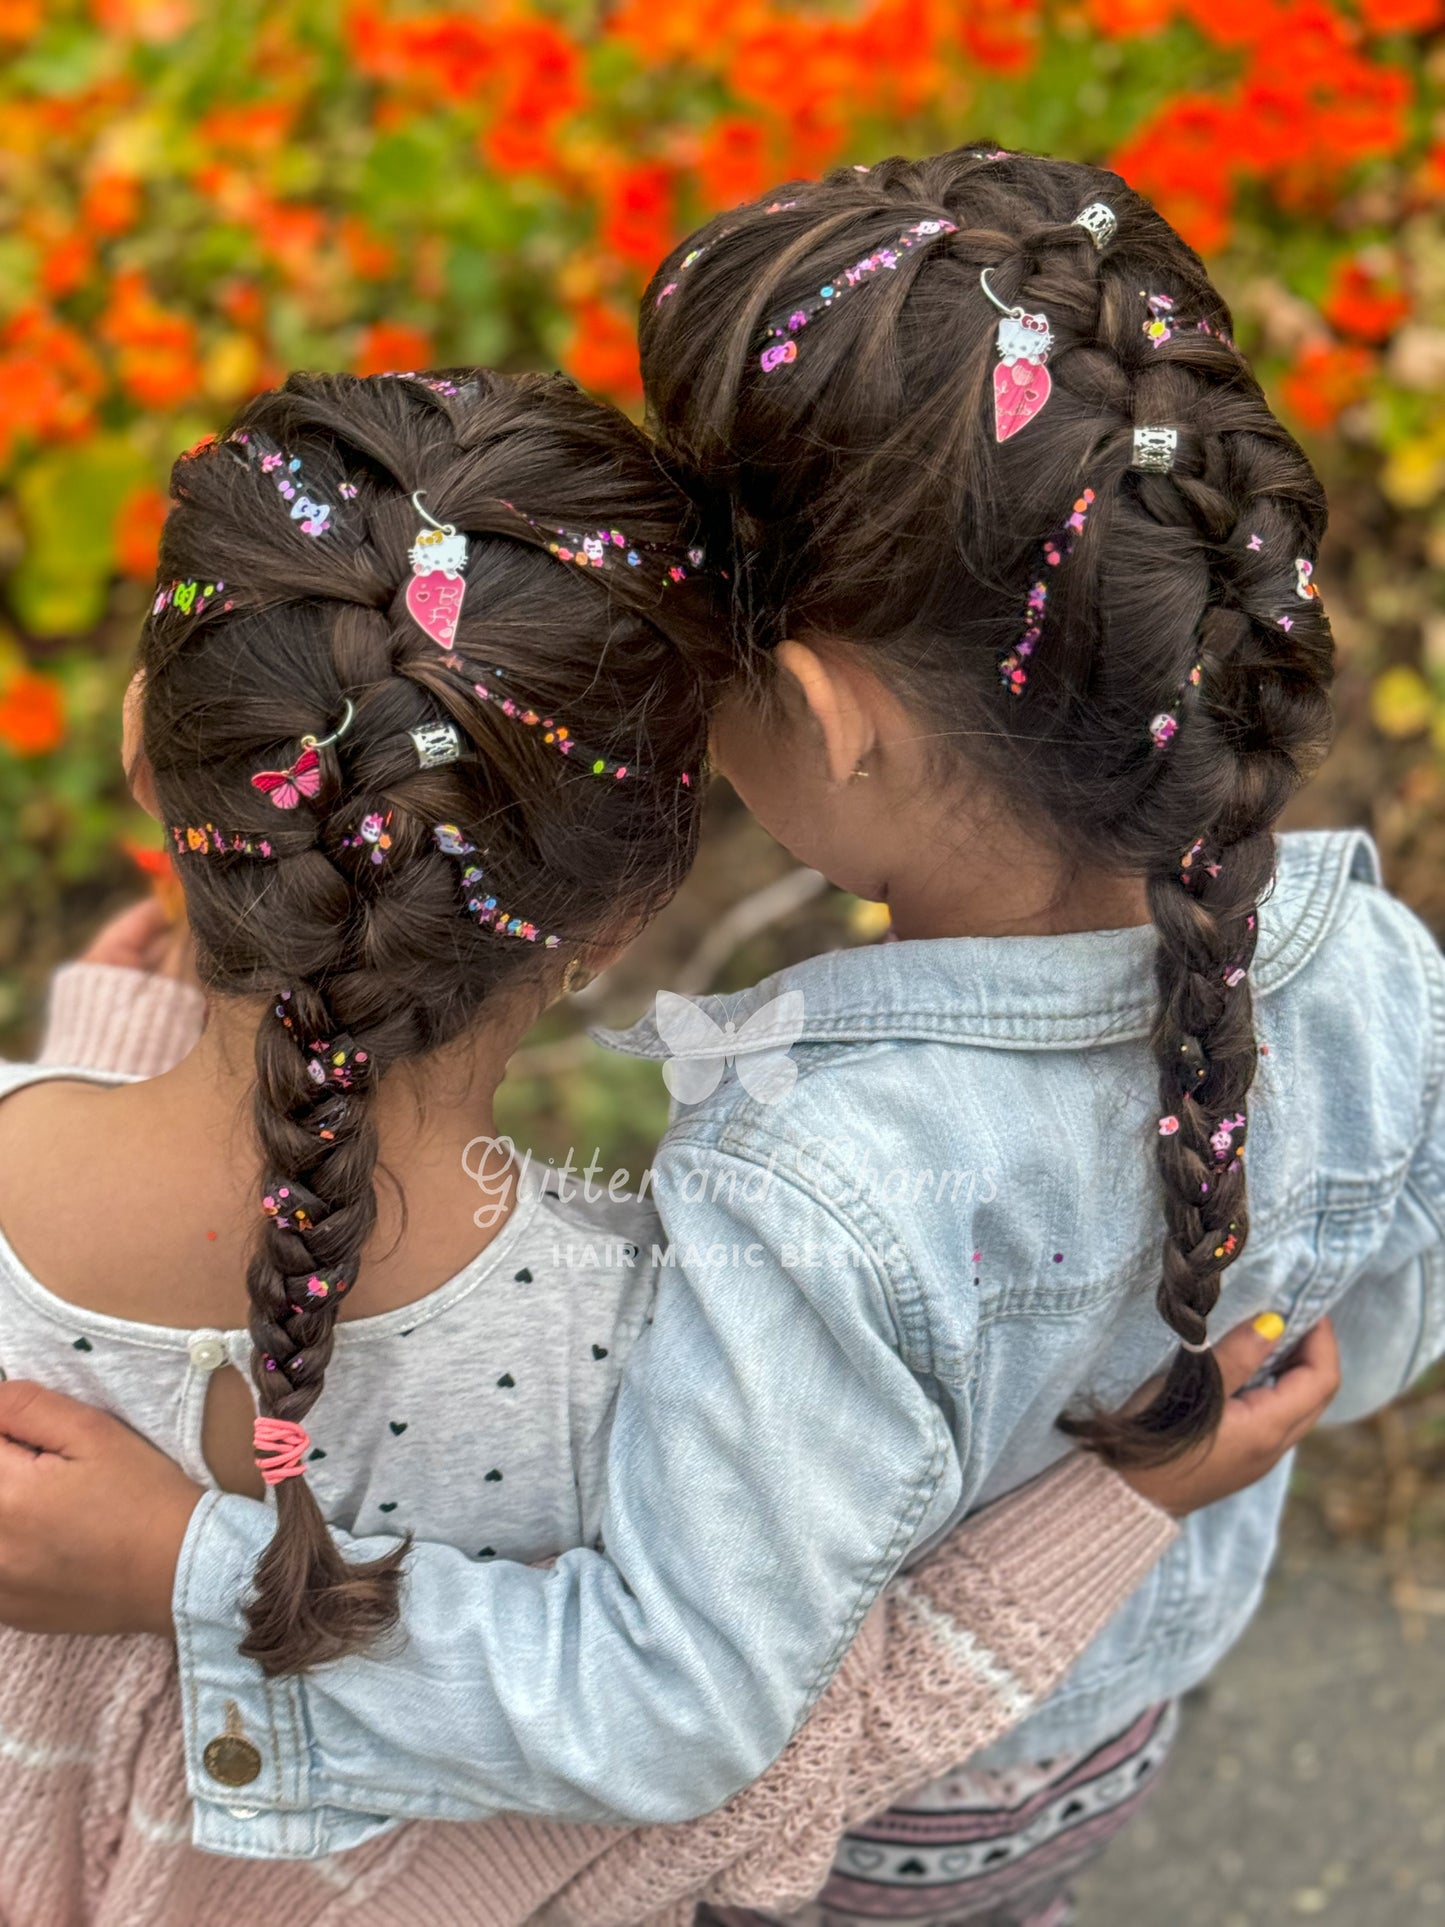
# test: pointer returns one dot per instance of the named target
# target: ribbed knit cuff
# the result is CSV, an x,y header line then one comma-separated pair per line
x,y
1073,1544
108,1017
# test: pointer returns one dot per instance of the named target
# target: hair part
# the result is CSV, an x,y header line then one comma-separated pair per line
x,y
860,492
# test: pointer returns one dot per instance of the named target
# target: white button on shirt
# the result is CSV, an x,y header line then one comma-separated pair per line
x,y
207,1350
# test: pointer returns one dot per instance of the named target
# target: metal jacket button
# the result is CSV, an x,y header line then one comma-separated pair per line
x,y
232,1761
231,1758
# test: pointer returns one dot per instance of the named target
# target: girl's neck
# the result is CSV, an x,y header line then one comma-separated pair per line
x,y
990,879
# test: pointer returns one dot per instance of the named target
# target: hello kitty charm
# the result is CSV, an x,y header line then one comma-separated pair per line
x,y
1021,381
434,595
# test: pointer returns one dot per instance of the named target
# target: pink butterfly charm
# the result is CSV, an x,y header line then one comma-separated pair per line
x,y
286,787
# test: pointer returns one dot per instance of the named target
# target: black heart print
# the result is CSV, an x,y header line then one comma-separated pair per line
x,y
487,1552
494,1477
599,1351
523,1277
318,1453
398,1426
506,1381
82,1345
388,1505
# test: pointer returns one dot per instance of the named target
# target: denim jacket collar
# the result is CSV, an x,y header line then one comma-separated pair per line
x,y
1032,993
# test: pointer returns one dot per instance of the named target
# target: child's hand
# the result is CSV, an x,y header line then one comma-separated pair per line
x,y
91,1519
146,937
1258,1426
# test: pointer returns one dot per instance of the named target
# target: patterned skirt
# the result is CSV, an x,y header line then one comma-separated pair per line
x,y
986,1849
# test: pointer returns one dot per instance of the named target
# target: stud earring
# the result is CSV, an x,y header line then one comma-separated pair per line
x,y
859,772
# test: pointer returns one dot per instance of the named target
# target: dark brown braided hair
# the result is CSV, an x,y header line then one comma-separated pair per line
x,y
863,495
263,634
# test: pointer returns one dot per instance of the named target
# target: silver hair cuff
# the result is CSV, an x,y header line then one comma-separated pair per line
x,y
435,744
1099,222
1155,449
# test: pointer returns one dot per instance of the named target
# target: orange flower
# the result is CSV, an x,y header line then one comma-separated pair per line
x,y
369,257
138,525
32,715
1402,16
1326,379
1363,304
1129,19
734,163
391,347
638,215
49,380
153,21
20,20
68,265
602,351
111,204
155,348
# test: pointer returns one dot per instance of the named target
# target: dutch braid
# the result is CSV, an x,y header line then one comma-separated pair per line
x,y
1178,690
367,956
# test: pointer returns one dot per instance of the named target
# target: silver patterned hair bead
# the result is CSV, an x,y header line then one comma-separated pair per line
x,y
1155,449
1099,222
435,744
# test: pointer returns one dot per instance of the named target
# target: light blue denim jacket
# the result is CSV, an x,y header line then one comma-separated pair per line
x,y
888,1284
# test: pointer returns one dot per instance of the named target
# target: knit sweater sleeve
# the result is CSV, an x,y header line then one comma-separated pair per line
x,y
954,1654
107,1017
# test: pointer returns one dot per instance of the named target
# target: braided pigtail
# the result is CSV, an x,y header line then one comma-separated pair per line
x,y
1089,568
314,1113
382,829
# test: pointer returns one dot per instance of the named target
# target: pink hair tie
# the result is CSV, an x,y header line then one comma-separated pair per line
x,y
281,1446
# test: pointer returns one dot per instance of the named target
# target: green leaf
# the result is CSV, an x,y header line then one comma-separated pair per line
x,y
68,499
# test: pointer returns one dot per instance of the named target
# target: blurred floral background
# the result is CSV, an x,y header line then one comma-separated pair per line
x,y
196,198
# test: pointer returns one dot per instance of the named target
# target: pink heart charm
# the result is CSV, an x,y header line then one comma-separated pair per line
x,y
1019,393
434,602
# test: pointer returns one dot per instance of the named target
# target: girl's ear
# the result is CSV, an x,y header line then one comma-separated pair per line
x,y
838,696
132,748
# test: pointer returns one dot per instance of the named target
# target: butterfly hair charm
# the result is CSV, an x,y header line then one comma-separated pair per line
x,y
286,787
703,1049
1021,381
434,595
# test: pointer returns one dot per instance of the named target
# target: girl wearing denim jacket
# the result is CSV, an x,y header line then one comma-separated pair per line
x,y
1030,648
365,987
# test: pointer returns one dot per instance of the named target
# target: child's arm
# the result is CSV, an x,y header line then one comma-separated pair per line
x,y
129,1003
89,1532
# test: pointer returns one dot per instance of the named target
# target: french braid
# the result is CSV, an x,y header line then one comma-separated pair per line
x,y
365,957
1178,689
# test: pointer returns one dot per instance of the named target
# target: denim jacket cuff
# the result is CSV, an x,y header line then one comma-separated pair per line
x,y
248,1757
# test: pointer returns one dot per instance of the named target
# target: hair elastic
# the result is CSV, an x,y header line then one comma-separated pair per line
x,y
1207,1346
436,744
281,1446
1155,449
1099,222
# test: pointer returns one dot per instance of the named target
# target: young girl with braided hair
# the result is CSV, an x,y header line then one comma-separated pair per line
x,y
412,769
1027,645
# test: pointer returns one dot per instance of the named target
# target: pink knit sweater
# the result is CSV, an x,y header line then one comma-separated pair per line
x,y
94,1818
